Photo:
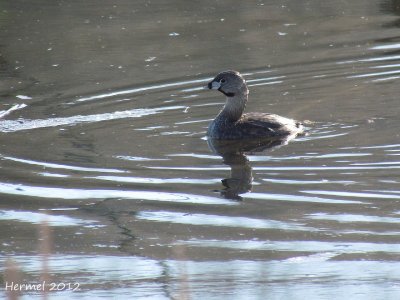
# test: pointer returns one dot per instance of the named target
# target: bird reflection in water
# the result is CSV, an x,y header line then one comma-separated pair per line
x,y
234,154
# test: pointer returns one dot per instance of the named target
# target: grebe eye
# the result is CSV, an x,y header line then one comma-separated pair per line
x,y
222,80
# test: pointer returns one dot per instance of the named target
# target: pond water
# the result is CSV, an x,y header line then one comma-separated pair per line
x,y
102,137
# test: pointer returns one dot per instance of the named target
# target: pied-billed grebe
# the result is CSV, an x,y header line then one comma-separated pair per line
x,y
231,123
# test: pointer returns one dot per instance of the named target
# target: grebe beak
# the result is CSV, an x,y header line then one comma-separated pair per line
x,y
214,85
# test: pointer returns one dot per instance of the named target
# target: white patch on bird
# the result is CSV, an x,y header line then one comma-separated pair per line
x,y
215,85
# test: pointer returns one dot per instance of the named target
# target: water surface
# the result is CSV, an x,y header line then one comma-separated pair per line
x,y
102,135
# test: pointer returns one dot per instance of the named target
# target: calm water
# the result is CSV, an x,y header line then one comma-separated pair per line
x,y
103,136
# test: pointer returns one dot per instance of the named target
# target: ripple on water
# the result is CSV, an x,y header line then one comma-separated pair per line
x,y
299,246
349,218
26,124
71,194
217,220
296,198
143,180
51,220
48,165
353,194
